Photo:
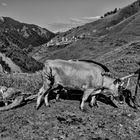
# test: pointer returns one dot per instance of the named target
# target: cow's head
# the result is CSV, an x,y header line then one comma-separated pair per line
x,y
115,84
2,90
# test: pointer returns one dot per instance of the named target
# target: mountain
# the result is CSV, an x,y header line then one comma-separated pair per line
x,y
17,56
26,36
113,40
116,32
18,39
72,23
8,65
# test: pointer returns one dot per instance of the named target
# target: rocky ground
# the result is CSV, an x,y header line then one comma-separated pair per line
x,y
64,121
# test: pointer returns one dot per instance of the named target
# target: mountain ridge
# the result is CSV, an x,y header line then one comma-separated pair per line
x,y
97,38
18,39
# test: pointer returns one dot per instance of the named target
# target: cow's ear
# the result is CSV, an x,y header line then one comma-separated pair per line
x,y
117,81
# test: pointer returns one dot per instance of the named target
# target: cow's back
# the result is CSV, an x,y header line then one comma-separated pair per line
x,y
75,74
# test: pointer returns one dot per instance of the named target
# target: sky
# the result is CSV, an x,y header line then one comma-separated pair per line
x,y
58,15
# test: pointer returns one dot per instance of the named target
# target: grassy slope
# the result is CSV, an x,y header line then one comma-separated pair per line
x,y
63,120
112,32
120,51
13,67
24,81
20,58
24,35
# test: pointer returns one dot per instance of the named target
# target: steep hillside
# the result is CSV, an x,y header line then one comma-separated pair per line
x,y
18,57
18,39
98,39
128,29
103,25
25,36
8,65
114,41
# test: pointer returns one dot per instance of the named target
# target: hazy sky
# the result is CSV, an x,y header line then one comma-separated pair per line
x,y
55,14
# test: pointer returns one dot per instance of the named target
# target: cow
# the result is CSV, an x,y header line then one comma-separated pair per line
x,y
13,97
85,75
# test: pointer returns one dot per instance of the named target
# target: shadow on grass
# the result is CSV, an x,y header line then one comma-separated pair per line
x,y
77,95
126,96
73,95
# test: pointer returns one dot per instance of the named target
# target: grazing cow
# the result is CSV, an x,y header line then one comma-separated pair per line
x,y
87,76
10,95
13,97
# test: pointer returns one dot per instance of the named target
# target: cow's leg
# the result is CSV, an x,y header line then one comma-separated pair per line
x,y
16,102
58,95
86,94
41,94
46,99
62,90
93,101
58,92
6,103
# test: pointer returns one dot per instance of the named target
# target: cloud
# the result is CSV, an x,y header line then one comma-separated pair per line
x,y
76,21
91,18
73,22
84,20
60,27
4,4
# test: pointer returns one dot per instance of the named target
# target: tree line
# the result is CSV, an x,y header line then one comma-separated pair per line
x,y
110,13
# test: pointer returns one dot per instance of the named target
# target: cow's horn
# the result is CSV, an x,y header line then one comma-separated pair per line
x,y
122,84
128,83
125,77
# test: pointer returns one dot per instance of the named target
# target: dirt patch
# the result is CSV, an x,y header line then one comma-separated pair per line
x,y
64,121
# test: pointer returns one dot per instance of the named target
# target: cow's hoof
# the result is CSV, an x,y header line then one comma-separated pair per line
x,y
58,100
95,105
81,108
121,102
136,109
84,110
48,105
37,107
91,105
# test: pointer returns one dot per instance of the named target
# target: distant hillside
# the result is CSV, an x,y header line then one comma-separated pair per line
x,y
25,36
104,25
18,39
17,57
8,65
98,38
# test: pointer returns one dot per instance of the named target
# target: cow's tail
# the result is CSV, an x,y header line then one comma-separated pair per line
x,y
47,74
48,82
